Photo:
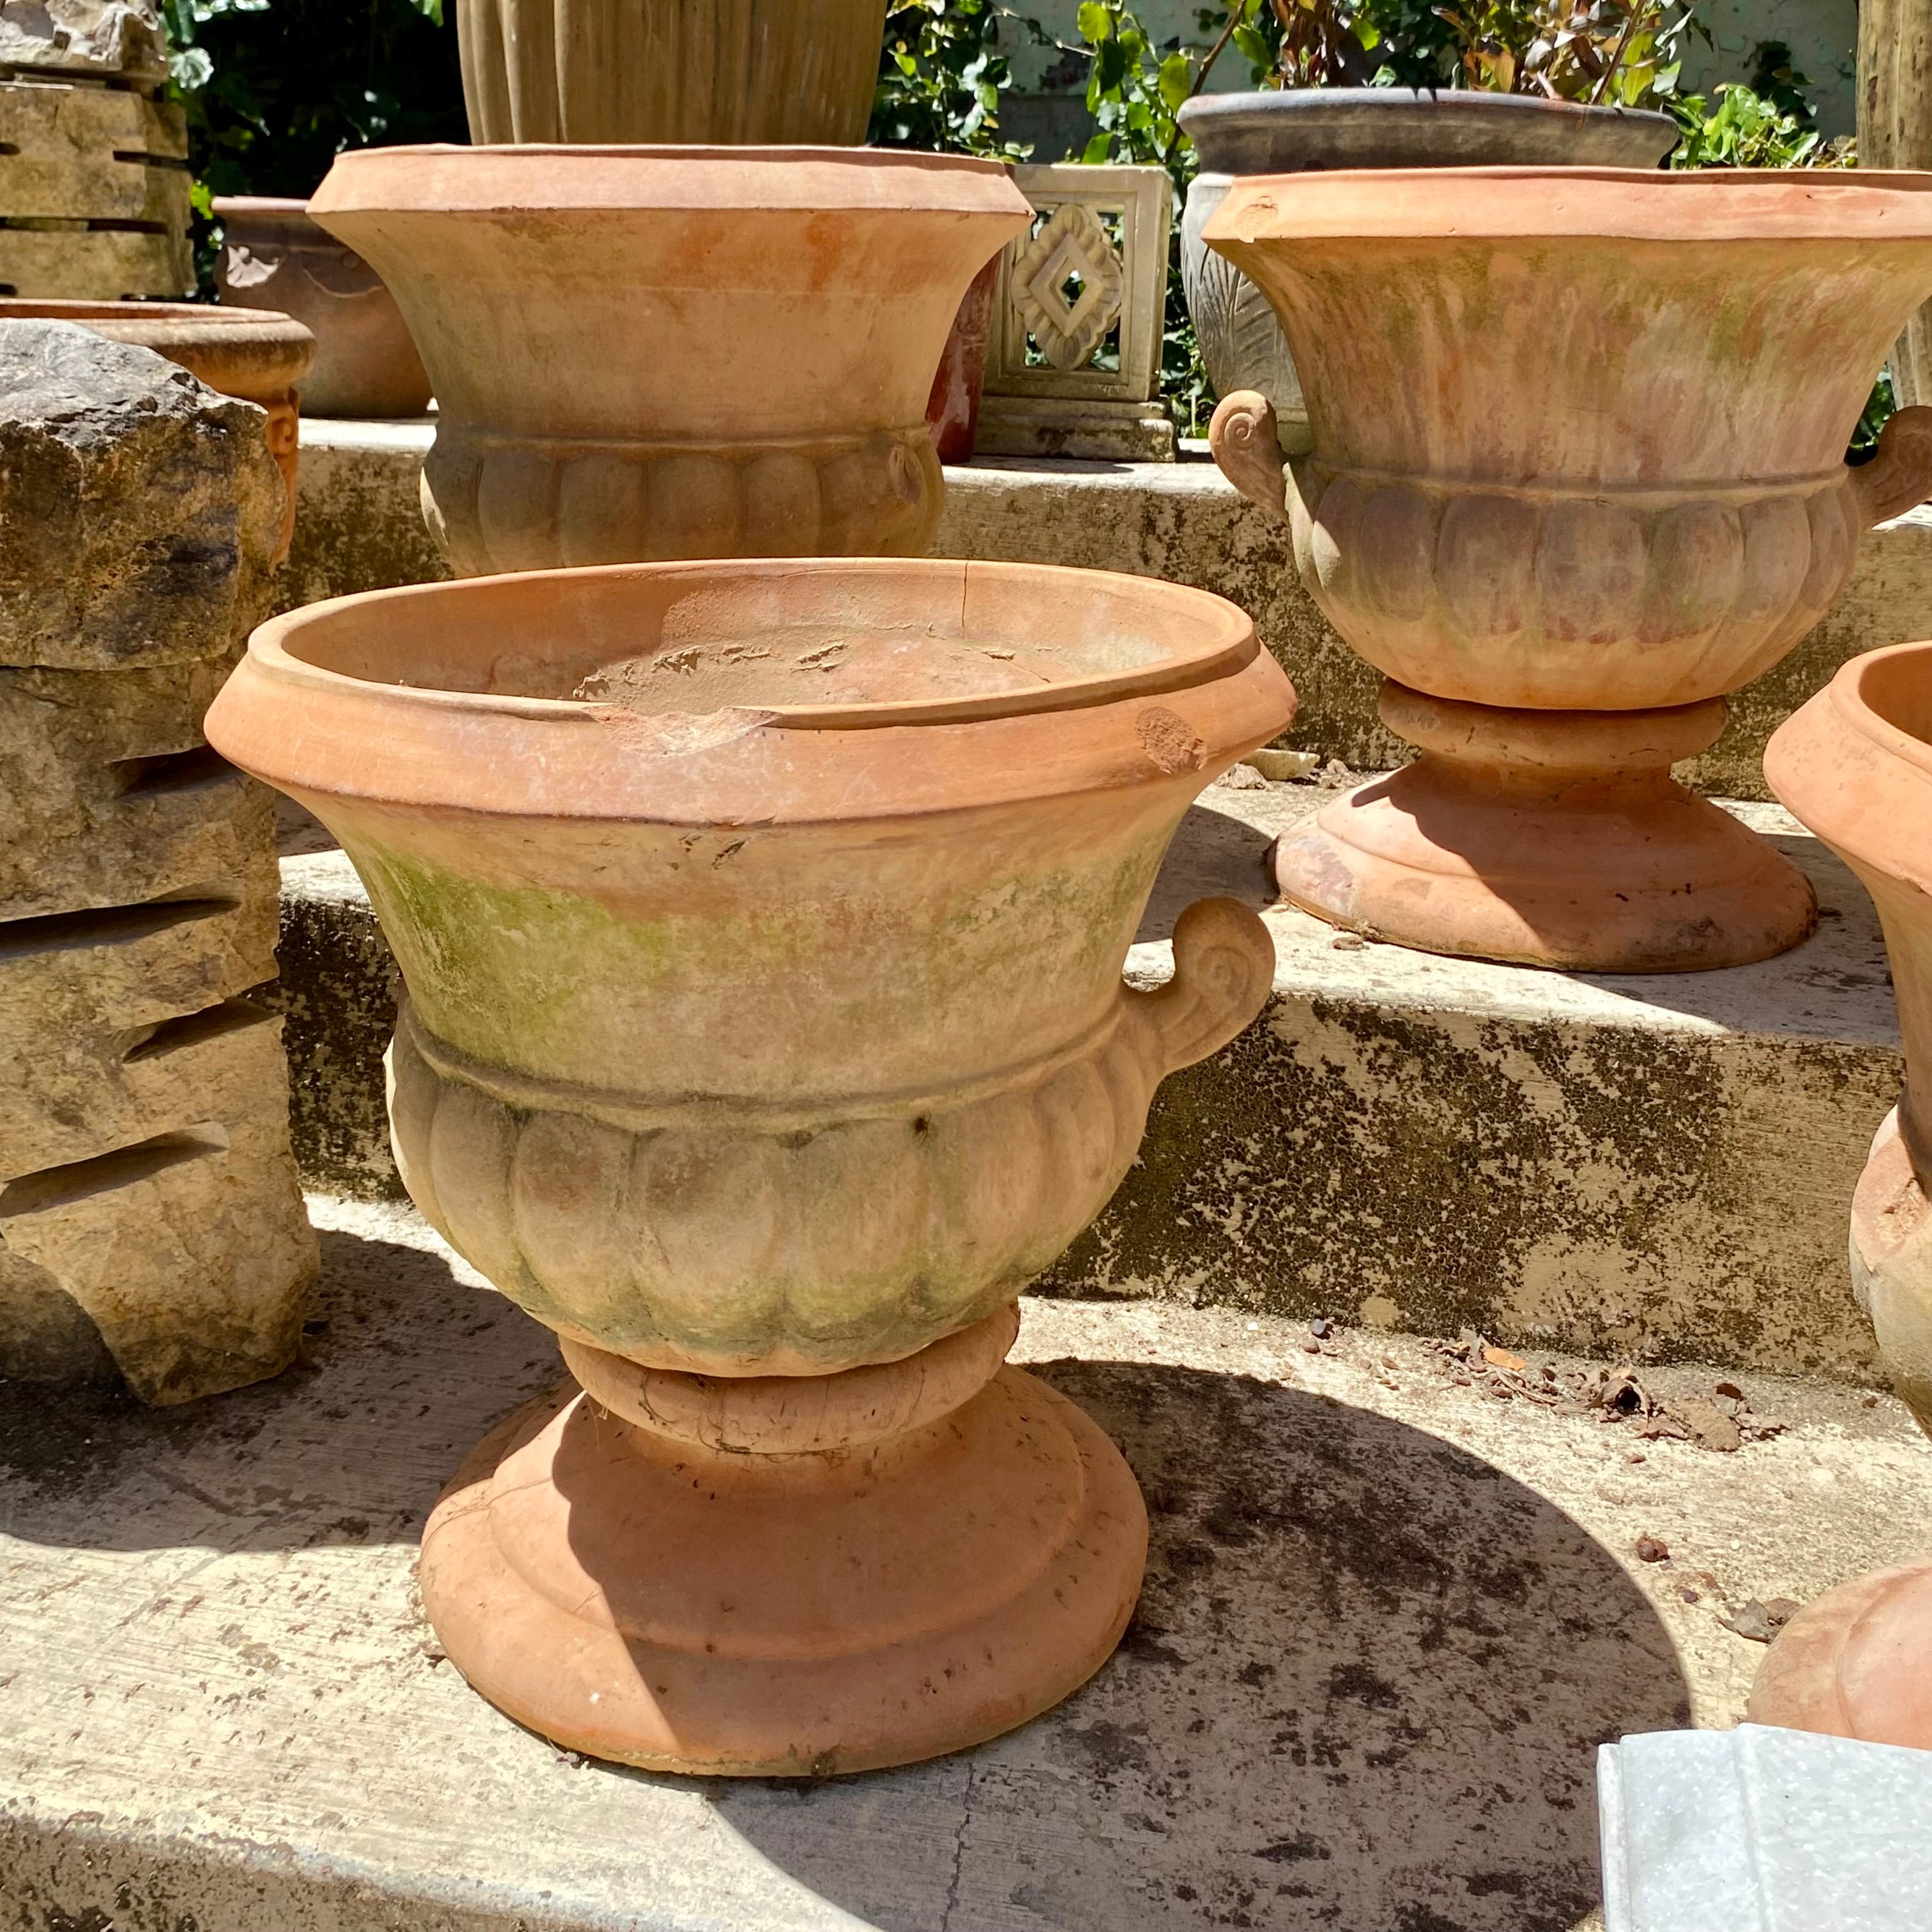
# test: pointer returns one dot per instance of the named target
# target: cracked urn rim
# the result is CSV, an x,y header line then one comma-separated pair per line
x,y
762,926
650,353
1560,592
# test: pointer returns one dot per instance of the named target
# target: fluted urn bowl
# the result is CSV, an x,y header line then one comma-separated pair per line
x,y
762,926
1855,764
1579,470
658,353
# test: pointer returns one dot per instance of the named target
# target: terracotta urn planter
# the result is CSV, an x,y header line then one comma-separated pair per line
x,y
274,256
1291,130
655,353
255,354
1578,470
952,408
702,72
762,926
1855,765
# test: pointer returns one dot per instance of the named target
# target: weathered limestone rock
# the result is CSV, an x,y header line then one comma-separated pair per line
x,y
150,1221
108,795
117,37
139,511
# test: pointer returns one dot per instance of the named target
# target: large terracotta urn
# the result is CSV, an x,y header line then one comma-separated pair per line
x,y
1855,765
1577,471
762,926
274,256
257,354
704,72
644,353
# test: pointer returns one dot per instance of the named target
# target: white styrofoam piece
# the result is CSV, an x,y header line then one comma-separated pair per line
x,y
1758,1830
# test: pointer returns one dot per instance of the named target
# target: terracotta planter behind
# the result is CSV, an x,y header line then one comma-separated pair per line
x,y
708,73
662,353
762,926
255,354
274,256
1855,764
1298,131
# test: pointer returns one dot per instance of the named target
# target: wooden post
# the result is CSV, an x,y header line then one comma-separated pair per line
x,y
1895,131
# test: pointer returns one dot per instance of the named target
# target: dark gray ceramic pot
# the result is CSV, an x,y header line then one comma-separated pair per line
x,y
1294,130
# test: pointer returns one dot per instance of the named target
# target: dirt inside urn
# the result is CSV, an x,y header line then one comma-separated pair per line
x,y
924,634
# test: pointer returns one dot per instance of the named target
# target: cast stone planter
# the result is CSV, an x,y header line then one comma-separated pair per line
x,y
1578,470
653,353
695,72
1292,131
1855,765
762,927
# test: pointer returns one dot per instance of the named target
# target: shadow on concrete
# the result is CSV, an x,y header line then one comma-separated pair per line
x,y
1363,1690
404,1369
1214,855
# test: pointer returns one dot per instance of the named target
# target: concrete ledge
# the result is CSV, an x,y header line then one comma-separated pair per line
x,y
1387,1618
360,528
1659,1168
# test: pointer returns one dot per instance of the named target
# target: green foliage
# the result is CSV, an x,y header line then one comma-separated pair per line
x,y
275,89
1766,124
1619,52
941,74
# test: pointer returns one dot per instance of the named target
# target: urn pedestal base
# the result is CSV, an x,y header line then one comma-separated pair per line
x,y
1857,1664
1553,838
780,1576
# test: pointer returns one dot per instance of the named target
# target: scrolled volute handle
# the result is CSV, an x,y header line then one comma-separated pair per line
x,y
1245,439
1900,476
1223,973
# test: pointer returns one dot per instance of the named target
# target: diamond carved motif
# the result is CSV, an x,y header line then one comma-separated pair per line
x,y
1072,248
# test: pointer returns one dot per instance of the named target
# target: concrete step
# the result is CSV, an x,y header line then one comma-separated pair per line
x,y
1659,1168
1389,1616
360,528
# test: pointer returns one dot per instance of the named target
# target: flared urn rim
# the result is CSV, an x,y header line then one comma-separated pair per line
x,y
1454,204
1843,762
257,354
290,717
644,178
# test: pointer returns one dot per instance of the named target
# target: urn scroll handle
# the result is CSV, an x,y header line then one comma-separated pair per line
x,y
1223,973
1899,476
1245,439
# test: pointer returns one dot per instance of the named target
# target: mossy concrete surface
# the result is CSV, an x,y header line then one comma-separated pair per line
x,y
360,528
1660,1168
1388,1617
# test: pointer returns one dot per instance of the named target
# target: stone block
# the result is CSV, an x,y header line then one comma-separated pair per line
x,y
84,994
125,38
62,258
181,1261
139,512
100,154
108,796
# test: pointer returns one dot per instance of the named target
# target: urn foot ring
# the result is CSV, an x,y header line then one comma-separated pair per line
x,y
646,1601
1502,841
1857,1664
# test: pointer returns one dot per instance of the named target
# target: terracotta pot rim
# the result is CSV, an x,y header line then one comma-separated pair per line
x,y
1227,642
450,179
1448,206
1850,695
52,308
254,353
291,206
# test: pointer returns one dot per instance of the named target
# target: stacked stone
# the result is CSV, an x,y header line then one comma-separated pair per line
x,y
94,171
150,1219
